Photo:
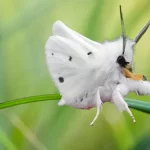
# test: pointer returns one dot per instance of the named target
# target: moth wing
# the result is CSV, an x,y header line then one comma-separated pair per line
x,y
77,68
59,28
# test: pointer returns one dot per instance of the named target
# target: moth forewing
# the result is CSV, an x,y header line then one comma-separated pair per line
x,y
60,29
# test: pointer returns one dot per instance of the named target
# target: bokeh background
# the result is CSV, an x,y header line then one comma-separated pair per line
x,y
25,25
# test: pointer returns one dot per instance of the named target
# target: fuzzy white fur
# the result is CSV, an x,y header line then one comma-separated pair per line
x,y
90,79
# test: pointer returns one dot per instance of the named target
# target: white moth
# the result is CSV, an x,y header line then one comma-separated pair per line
x,y
88,73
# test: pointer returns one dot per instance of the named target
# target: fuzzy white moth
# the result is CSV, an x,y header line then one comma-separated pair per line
x,y
84,72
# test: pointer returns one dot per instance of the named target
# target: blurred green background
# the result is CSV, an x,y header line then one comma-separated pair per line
x,y
25,25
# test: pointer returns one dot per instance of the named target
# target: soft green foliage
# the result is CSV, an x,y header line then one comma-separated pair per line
x,y
24,28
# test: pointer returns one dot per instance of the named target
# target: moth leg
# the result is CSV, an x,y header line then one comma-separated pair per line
x,y
129,74
119,101
61,102
98,106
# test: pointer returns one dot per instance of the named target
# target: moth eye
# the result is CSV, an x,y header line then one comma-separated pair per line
x,y
70,58
89,53
61,79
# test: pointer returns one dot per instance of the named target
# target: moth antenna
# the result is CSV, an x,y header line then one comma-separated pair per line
x,y
141,33
123,30
121,60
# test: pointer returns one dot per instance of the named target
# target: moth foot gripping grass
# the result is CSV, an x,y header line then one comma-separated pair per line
x,y
88,73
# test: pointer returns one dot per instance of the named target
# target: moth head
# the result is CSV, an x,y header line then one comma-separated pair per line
x,y
125,60
127,57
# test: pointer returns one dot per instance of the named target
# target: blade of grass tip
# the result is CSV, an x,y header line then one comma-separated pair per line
x,y
29,100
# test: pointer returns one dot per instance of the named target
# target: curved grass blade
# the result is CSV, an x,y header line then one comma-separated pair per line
x,y
135,104
136,101
29,100
139,105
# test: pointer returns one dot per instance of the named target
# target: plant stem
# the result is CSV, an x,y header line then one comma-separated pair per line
x,y
29,100
135,104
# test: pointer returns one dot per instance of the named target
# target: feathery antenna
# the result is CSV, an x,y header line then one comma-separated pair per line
x,y
123,31
141,33
121,60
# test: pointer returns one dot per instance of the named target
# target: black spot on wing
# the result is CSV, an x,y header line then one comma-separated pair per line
x,y
89,53
61,79
70,58
117,82
81,99
52,53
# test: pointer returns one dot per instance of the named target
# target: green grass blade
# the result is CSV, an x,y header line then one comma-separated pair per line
x,y
135,104
139,105
136,101
29,100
